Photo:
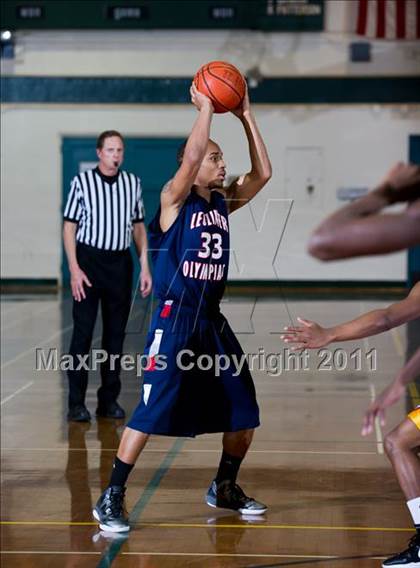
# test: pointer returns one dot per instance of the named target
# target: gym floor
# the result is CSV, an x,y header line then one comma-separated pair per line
x,y
333,499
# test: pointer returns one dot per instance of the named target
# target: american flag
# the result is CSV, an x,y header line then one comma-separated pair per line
x,y
389,19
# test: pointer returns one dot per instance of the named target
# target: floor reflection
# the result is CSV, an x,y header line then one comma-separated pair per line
x,y
228,541
77,477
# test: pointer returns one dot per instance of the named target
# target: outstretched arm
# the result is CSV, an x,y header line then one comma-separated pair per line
x,y
247,186
360,228
391,394
310,335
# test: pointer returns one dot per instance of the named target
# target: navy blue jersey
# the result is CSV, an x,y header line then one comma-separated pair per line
x,y
191,258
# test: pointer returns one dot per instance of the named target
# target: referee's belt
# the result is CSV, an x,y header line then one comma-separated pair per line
x,y
100,251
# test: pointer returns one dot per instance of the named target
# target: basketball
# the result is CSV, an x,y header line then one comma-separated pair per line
x,y
223,83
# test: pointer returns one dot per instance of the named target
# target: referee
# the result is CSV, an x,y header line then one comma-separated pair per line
x,y
104,211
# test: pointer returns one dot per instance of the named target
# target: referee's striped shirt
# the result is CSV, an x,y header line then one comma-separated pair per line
x,y
104,211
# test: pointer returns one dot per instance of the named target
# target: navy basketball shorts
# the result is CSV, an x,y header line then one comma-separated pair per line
x,y
191,385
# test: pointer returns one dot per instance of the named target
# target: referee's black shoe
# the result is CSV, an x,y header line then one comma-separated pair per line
x,y
111,410
78,413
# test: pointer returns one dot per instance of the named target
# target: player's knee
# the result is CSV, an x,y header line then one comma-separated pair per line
x,y
392,444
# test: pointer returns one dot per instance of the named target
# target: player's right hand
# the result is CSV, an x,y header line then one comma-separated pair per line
x,y
78,279
404,179
310,335
198,99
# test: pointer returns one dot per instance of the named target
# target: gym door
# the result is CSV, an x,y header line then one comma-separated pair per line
x,y
152,159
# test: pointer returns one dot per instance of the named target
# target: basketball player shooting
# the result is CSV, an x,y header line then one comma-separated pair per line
x,y
190,237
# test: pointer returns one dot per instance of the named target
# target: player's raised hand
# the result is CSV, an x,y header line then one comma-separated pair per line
x,y
244,107
309,335
404,180
198,99
377,408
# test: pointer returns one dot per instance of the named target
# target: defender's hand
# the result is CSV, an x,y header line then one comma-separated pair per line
x,y
308,336
377,408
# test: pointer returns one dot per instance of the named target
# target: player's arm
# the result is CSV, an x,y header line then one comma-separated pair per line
x,y
360,228
177,189
140,242
243,189
311,335
391,394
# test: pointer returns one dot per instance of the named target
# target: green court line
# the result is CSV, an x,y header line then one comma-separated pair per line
x,y
109,556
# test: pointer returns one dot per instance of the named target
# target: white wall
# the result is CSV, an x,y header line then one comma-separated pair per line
x,y
173,53
356,145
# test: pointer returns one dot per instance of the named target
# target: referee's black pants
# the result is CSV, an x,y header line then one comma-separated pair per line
x,y
110,273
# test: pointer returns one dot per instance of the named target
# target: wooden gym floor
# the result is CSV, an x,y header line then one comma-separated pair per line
x,y
333,500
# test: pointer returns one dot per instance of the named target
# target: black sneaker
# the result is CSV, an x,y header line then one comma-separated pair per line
x,y
111,410
409,558
110,512
78,413
228,495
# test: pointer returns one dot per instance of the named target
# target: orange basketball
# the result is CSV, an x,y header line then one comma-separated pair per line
x,y
223,83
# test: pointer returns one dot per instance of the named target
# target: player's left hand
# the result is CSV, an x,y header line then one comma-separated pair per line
x,y
309,335
377,408
244,106
146,283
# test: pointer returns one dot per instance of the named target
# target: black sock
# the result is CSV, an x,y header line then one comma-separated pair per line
x,y
228,468
120,472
